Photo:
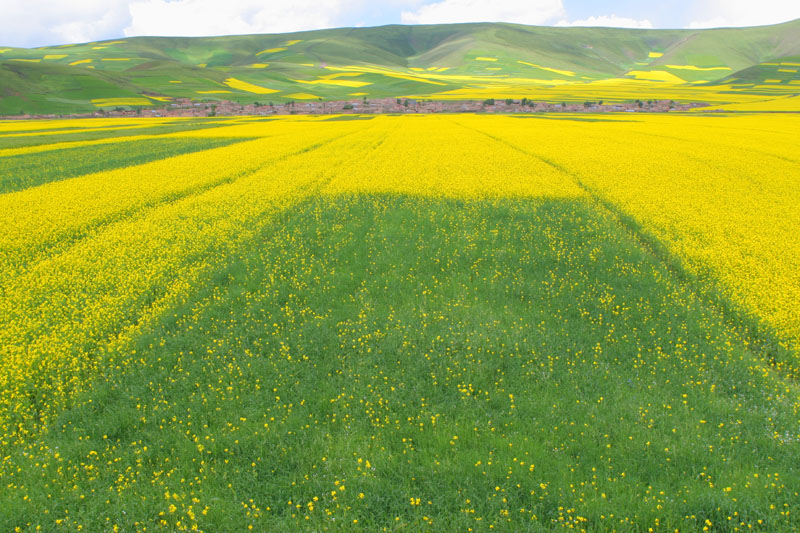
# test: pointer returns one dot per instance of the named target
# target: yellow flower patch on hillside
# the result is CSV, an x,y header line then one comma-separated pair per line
x,y
248,87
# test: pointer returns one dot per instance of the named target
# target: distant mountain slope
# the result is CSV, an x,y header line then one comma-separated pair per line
x,y
447,61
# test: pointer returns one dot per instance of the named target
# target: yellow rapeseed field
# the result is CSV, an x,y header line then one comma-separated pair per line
x,y
721,193
403,323
88,250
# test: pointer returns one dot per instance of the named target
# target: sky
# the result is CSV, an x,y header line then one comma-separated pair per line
x,y
31,23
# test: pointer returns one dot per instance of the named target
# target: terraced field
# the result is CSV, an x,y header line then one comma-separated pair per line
x,y
401,323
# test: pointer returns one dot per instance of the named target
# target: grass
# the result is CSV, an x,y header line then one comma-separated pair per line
x,y
31,170
12,141
388,361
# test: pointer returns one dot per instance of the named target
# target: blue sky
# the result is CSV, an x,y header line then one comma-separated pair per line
x,y
674,14
29,23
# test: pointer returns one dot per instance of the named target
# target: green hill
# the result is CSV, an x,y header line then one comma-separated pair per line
x,y
393,61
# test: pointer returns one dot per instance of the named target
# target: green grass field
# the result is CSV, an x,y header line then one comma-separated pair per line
x,y
365,360
30,170
36,138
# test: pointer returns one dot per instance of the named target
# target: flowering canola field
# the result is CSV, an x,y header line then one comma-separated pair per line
x,y
401,323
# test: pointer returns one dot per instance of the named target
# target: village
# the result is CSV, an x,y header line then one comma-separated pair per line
x,y
186,107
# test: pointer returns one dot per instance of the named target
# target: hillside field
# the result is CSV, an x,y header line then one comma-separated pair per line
x,y
414,323
753,68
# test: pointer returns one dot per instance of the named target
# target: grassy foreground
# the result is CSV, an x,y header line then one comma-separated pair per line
x,y
333,339
386,362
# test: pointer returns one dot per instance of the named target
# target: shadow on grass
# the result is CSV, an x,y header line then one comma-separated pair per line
x,y
402,361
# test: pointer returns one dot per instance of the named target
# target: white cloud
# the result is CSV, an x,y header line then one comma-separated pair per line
x,y
27,23
735,13
611,21
212,17
41,22
518,11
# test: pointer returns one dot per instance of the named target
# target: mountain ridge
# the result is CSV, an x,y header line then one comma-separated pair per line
x,y
424,61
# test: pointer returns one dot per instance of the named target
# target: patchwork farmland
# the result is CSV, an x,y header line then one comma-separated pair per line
x,y
750,68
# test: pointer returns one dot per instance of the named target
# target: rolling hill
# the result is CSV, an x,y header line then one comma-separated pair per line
x,y
456,61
